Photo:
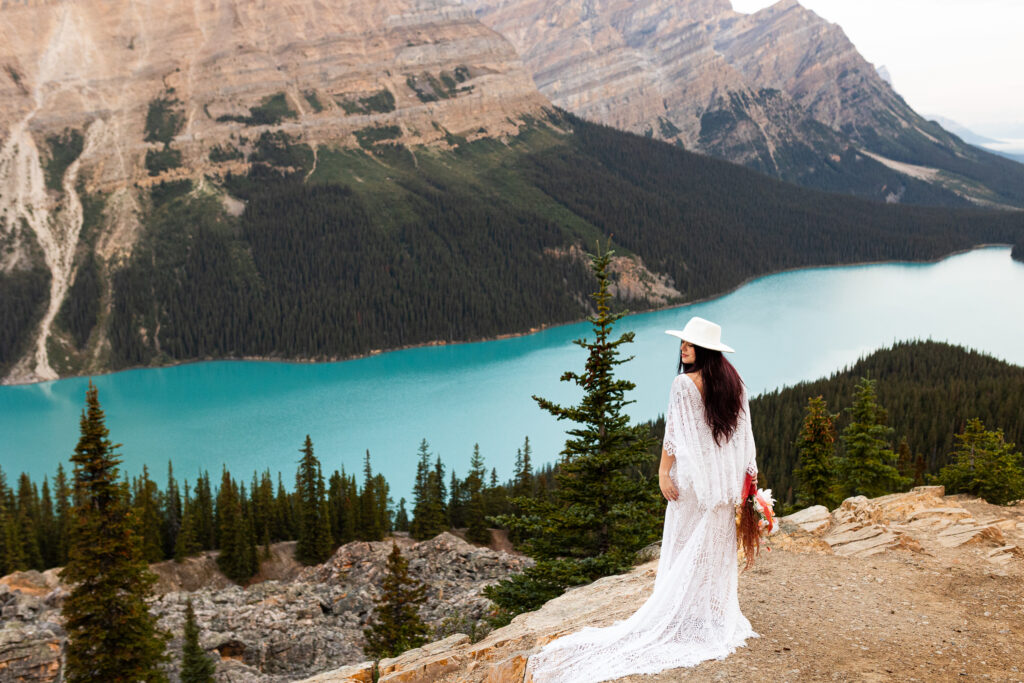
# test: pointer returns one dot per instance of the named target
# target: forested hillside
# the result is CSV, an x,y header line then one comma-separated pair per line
x,y
340,252
929,389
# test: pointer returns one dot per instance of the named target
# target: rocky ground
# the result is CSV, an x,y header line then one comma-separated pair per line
x,y
299,622
909,587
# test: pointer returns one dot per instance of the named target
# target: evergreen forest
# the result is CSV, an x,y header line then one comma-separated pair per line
x,y
929,391
386,246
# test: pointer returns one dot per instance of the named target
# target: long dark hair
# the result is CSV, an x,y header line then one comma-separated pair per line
x,y
723,391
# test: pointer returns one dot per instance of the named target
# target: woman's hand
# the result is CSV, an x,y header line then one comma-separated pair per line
x,y
668,488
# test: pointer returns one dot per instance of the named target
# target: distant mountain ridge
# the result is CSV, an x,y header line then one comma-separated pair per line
x,y
781,91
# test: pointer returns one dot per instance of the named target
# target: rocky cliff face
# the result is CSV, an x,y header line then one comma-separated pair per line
x,y
100,99
781,90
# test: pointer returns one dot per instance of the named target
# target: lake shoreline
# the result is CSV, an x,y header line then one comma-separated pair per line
x,y
508,335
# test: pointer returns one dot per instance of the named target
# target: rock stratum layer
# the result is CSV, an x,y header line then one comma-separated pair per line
x,y
911,586
781,90
102,98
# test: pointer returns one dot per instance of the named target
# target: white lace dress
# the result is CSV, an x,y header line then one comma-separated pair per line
x,y
694,612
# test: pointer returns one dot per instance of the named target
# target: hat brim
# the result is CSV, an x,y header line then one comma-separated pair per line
x,y
713,347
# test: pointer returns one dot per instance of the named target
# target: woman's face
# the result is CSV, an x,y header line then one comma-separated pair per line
x,y
687,353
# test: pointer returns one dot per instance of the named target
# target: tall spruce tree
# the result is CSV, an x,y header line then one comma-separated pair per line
x,y
428,512
868,464
476,510
314,540
148,517
395,625
47,532
28,523
401,517
237,558
111,634
196,666
12,553
816,447
172,513
372,528
985,465
62,492
602,511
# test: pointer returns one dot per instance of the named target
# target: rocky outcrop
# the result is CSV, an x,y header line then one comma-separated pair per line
x,y
852,593
275,630
780,90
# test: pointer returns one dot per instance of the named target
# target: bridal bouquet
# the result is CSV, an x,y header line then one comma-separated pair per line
x,y
763,503
755,519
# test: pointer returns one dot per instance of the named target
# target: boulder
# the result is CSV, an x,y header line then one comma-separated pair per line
x,y
815,519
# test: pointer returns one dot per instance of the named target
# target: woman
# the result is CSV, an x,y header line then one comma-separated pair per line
x,y
694,612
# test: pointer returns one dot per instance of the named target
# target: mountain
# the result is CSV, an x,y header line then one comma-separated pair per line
x,y
781,91
324,179
103,100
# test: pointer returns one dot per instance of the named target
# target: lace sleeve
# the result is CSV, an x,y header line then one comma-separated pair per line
x,y
673,420
749,448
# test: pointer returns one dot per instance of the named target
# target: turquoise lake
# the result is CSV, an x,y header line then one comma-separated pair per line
x,y
250,416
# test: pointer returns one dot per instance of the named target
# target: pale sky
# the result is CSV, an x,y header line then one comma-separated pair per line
x,y
962,59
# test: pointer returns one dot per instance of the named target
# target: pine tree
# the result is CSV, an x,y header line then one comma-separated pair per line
x,y
187,543
12,553
205,523
476,511
396,625
62,491
456,501
148,516
401,517
603,510
523,480
816,447
384,501
429,513
48,538
28,523
417,528
371,528
867,466
439,496
196,666
172,513
284,514
111,634
314,537
985,465
237,557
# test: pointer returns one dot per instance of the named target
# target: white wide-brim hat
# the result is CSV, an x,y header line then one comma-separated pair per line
x,y
704,333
